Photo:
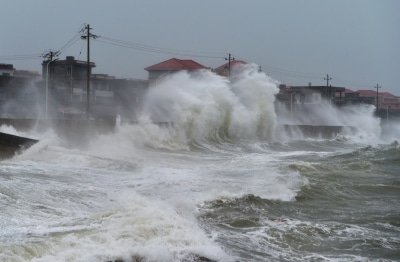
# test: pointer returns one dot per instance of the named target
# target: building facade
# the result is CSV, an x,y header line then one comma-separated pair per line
x,y
294,96
20,96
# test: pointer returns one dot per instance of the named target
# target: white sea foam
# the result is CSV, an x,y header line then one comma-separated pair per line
x,y
134,227
136,191
358,121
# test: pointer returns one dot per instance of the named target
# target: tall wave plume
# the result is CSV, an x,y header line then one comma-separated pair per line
x,y
202,106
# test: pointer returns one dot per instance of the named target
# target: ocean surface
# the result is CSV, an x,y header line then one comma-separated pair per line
x,y
223,183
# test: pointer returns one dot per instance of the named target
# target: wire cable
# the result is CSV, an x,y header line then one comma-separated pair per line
x,y
72,41
20,57
152,49
140,45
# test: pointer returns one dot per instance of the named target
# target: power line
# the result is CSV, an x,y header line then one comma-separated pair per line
x,y
141,45
152,49
80,52
351,82
20,57
296,76
50,55
292,72
73,39
305,75
70,42
157,51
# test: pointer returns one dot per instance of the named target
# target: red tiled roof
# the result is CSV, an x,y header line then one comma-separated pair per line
x,y
224,67
175,64
372,93
366,93
386,94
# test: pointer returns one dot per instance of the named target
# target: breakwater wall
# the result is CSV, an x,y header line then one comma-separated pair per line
x,y
11,144
75,131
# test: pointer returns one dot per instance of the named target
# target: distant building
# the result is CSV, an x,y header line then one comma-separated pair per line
x,y
387,102
6,70
308,94
350,97
68,89
19,95
223,70
129,96
172,65
66,76
23,92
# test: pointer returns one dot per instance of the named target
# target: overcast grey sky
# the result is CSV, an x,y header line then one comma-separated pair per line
x,y
356,41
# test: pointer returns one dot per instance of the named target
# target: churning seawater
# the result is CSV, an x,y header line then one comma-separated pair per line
x,y
220,184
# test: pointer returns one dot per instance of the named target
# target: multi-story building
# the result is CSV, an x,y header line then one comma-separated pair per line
x,y
67,84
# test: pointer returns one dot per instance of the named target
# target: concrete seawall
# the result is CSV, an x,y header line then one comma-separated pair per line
x,y
75,131
11,144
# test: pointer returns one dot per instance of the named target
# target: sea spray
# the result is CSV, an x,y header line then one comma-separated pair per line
x,y
203,106
358,122
242,199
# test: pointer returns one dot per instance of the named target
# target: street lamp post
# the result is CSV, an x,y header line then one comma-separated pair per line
x,y
291,101
47,87
377,98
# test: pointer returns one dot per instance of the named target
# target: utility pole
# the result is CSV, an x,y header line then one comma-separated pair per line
x,y
49,55
88,68
229,59
377,94
328,78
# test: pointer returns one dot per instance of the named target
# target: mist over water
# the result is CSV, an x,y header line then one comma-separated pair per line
x,y
208,173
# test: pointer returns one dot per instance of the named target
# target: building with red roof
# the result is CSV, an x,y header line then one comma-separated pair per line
x,y
386,100
172,65
349,96
223,70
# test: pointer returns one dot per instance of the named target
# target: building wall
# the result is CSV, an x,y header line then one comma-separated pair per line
x,y
129,95
154,75
6,70
20,97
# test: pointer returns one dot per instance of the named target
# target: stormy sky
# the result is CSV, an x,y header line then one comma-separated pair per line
x,y
357,42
